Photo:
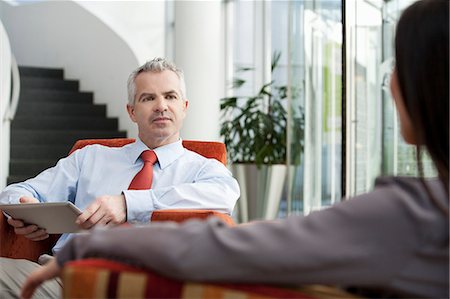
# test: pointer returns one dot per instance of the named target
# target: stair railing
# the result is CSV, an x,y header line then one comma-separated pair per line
x,y
11,109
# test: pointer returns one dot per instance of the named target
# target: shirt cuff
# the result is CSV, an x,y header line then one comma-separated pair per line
x,y
140,204
14,198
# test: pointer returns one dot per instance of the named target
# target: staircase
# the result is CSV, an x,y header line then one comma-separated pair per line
x,y
52,114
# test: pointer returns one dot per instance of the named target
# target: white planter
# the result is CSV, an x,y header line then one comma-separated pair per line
x,y
261,190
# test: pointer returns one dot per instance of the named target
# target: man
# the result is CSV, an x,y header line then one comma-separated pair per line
x,y
97,178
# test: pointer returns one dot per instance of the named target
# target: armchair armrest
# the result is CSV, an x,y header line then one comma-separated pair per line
x,y
14,246
180,215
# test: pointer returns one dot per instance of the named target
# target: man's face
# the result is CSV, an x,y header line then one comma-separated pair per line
x,y
159,109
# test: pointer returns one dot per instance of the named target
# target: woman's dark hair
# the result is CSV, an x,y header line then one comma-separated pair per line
x,y
422,64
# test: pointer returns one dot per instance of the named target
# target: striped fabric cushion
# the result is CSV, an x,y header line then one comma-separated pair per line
x,y
96,278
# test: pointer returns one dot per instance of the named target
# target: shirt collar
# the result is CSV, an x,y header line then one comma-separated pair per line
x,y
135,150
166,154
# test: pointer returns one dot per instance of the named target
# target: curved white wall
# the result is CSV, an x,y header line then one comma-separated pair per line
x,y
141,24
5,91
63,34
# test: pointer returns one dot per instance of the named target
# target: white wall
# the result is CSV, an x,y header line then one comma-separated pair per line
x,y
101,58
199,51
63,34
5,90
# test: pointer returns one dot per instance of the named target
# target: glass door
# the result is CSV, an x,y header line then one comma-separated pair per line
x,y
363,103
399,158
316,53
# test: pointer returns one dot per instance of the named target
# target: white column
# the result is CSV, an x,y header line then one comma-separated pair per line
x,y
199,51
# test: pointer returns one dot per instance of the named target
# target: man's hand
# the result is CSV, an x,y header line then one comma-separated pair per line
x,y
32,232
107,209
36,278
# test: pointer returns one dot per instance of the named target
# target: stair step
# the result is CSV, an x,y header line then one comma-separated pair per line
x,y
66,123
47,95
46,152
48,83
29,167
52,115
31,71
51,108
17,178
42,137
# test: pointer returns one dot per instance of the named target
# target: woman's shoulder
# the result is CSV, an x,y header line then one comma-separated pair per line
x,y
404,198
413,188
409,197
402,209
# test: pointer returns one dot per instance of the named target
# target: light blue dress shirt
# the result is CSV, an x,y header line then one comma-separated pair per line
x,y
182,179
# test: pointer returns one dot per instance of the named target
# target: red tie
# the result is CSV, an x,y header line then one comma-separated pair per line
x,y
143,179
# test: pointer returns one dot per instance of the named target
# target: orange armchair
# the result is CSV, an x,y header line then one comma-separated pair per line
x,y
14,246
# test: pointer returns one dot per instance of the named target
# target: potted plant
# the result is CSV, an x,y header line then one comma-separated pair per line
x,y
255,133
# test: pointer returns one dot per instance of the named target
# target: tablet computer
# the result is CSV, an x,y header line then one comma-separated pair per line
x,y
55,217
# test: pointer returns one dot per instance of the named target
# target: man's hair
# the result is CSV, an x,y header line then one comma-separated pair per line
x,y
155,65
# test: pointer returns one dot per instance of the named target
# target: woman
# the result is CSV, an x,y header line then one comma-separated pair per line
x,y
393,240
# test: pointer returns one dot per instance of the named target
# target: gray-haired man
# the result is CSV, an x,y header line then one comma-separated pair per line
x,y
96,178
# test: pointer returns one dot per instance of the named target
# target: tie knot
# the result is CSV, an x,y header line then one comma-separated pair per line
x,y
149,156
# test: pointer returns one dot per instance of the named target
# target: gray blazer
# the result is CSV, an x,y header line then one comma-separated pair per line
x,y
391,239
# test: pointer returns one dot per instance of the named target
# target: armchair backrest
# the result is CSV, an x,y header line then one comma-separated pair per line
x,y
208,149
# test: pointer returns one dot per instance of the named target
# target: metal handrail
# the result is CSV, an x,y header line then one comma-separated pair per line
x,y
15,92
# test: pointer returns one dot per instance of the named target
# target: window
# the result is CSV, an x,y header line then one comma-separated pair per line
x,y
343,151
308,35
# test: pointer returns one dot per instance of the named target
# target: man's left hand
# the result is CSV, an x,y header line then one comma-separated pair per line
x,y
105,210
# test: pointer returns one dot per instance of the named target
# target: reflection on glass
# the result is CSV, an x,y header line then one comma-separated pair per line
x,y
399,158
316,39
367,104
375,143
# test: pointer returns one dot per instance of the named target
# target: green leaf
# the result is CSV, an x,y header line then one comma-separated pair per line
x,y
241,69
275,59
237,83
230,102
263,90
